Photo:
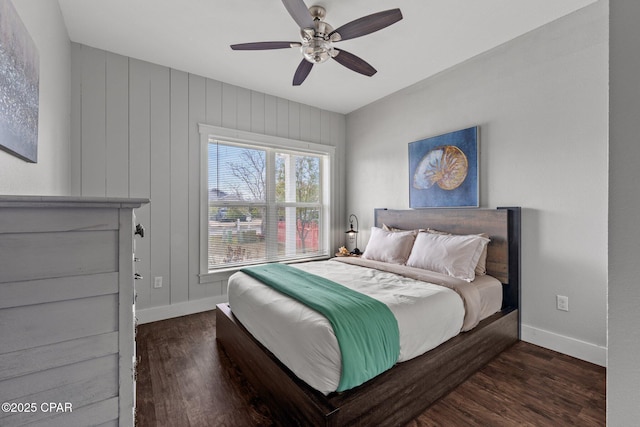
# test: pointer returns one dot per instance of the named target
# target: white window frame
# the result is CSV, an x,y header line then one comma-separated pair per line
x,y
208,132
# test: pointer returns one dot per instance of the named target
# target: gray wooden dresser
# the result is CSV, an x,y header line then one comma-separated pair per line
x,y
67,306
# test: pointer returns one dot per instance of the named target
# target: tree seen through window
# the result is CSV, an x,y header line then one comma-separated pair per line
x,y
264,204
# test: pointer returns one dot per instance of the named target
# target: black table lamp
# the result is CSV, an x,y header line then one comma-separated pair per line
x,y
351,232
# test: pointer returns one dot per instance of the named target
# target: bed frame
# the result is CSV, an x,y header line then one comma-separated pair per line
x,y
400,394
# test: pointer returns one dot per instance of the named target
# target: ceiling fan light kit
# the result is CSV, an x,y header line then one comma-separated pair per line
x,y
317,44
318,37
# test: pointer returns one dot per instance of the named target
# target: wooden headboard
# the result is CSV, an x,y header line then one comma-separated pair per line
x,y
501,224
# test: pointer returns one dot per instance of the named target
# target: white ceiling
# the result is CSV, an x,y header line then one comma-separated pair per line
x,y
194,36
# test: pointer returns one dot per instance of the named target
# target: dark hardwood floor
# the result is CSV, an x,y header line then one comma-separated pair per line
x,y
185,379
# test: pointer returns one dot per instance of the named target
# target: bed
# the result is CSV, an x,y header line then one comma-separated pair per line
x,y
401,393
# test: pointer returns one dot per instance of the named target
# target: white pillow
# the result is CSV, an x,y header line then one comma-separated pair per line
x,y
481,268
386,227
456,256
389,246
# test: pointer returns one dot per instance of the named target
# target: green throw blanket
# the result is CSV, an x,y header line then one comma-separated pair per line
x,y
367,331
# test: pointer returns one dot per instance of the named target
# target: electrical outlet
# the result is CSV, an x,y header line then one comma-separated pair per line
x,y
157,282
562,302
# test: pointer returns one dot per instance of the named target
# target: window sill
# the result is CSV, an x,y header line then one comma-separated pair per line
x,y
223,274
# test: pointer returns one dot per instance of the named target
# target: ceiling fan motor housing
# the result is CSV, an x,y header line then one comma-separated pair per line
x,y
317,43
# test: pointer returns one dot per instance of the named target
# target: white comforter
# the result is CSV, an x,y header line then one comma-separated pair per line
x,y
303,339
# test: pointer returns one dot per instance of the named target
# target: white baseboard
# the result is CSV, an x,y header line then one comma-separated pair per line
x,y
153,314
570,346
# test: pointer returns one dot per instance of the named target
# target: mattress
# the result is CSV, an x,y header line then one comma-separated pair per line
x,y
303,340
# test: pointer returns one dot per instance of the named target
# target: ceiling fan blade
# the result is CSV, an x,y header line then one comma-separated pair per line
x,y
354,63
368,24
302,72
299,12
265,45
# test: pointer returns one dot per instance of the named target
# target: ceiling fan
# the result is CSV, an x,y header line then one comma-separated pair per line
x,y
318,38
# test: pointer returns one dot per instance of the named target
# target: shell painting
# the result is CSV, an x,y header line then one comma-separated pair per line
x,y
443,170
446,166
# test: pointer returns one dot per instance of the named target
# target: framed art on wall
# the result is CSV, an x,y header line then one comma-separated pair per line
x,y
443,170
19,86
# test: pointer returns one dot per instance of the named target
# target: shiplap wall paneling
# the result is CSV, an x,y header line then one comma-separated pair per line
x,y
229,103
314,124
257,112
326,133
93,122
270,115
134,130
243,97
75,145
179,188
219,104
117,125
282,118
66,320
338,129
159,238
294,120
213,101
305,123
139,128
198,101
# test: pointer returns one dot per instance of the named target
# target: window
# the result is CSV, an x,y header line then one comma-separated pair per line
x,y
264,202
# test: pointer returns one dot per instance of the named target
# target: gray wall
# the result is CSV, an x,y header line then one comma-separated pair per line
x,y
541,103
50,176
623,375
134,134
